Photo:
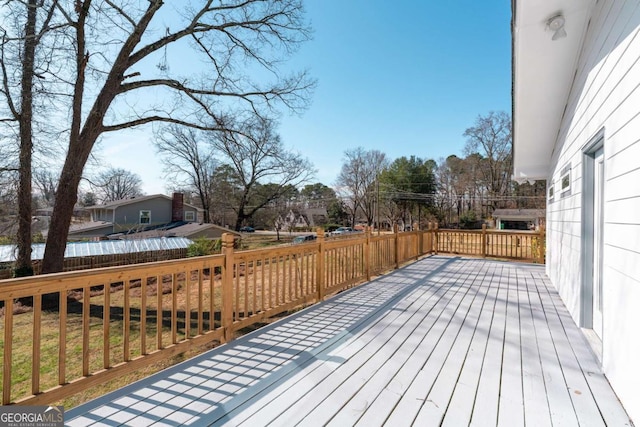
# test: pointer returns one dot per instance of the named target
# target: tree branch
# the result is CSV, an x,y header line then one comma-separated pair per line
x,y
152,119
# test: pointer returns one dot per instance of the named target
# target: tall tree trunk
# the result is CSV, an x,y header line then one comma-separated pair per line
x,y
23,262
83,137
62,213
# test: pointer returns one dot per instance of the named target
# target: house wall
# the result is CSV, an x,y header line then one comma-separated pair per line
x,y
605,98
102,215
128,215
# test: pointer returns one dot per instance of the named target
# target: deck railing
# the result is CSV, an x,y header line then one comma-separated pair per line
x,y
509,244
88,327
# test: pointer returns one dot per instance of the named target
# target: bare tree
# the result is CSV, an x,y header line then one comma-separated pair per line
x,y
46,181
112,74
490,138
116,184
187,159
357,181
19,68
262,168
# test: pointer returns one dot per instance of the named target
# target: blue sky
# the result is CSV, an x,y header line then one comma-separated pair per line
x,y
405,77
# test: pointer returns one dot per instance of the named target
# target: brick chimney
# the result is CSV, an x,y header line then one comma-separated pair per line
x,y
177,207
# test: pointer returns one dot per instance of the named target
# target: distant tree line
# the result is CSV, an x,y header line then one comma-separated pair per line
x,y
456,191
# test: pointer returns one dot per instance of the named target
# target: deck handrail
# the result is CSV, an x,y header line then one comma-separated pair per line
x,y
96,325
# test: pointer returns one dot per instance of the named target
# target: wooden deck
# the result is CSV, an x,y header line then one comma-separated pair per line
x,y
444,341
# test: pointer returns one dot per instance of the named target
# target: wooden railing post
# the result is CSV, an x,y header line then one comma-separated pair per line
x,y
227,286
435,238
484,240
320,273
430,238
542,243
396,252
427,247
367,253
416,229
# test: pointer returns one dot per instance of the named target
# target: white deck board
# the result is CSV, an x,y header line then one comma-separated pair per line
x,y
444,341
466,387
485,410
536,410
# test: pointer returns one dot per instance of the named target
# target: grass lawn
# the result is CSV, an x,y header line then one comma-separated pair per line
x,y
187,298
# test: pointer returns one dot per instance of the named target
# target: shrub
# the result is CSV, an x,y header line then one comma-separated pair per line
x,y
468,219
203,246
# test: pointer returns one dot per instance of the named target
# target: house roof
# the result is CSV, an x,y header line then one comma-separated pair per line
x,y
89,226
117,203
105,247
543,72
519,213
179,230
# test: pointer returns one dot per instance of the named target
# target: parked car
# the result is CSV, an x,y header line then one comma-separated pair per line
x,y
304,239
343,230
247,229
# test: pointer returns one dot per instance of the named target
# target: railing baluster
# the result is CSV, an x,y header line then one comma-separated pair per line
x,y
159,311
106,324
174,308
187,305
264,283
254,287
62,338
86,307
35,356
8,352
245,308
126,317
212,298
143,315
277,285
200,273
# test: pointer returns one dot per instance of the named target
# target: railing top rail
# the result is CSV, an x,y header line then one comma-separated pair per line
x,y
488,231
45,283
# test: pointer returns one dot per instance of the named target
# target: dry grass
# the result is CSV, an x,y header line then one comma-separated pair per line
x,y
260,283
187,298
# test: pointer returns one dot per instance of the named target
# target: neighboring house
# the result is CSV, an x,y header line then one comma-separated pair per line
x,y
312,217
136,214
519,219
316,216
576,95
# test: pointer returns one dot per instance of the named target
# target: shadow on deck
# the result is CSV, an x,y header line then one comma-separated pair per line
x,y
445,340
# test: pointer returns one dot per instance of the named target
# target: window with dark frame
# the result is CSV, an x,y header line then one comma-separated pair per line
x,y
145,217
565,181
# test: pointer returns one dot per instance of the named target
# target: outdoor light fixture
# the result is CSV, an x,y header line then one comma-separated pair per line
x,y
556,24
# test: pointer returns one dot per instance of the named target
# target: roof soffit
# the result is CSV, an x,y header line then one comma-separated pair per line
x,y
543,72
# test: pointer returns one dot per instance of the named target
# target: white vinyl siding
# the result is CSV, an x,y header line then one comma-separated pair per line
x,y
605,98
